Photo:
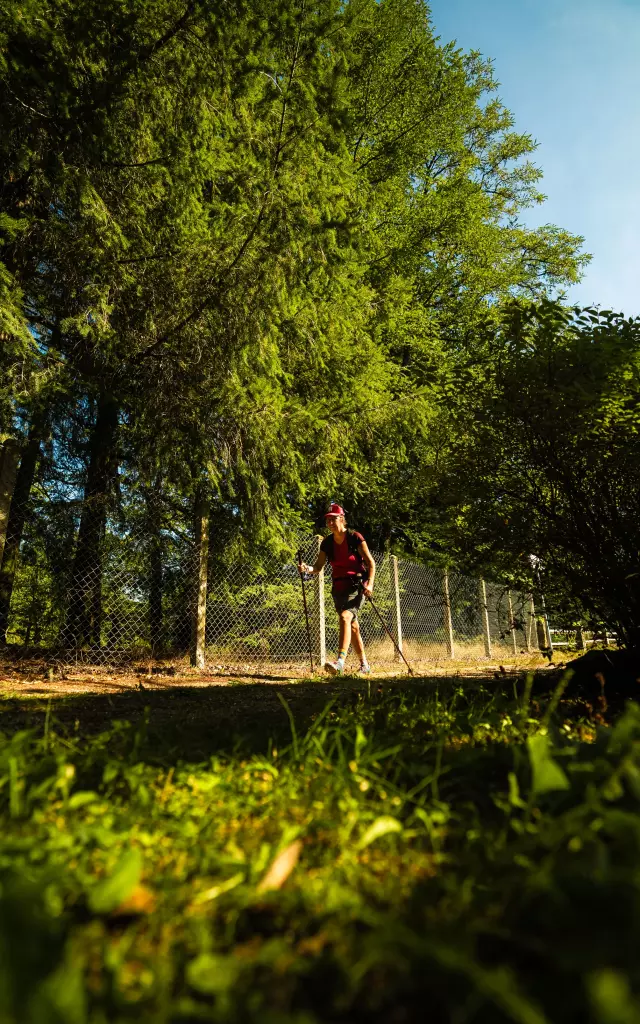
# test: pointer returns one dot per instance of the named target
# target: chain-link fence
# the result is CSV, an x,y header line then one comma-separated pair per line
x,y
105,560
121,585
110,567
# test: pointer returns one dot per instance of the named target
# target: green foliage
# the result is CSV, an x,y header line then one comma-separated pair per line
x,y
543,456
440,861
219,211
114,890
547,775
445,174
186,199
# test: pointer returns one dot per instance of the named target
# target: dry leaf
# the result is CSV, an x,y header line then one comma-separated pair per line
x,y
141,900
313,945
281,867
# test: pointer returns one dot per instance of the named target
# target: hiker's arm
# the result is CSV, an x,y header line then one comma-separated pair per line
x,y
317,566
367,558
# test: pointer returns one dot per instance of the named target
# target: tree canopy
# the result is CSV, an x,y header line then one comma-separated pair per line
x,y
542,458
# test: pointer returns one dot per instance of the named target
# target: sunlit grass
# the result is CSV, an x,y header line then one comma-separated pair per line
x,y
465,850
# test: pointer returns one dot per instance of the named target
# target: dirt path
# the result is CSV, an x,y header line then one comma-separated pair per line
x,y
194,713
39,678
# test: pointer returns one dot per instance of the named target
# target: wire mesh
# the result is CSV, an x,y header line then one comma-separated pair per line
x,y
256,614
123,587
506,630
425,634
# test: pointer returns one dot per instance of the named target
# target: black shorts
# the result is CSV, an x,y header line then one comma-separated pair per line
x,y
348,600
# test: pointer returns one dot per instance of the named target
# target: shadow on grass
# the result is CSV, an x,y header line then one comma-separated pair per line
x,y
186,723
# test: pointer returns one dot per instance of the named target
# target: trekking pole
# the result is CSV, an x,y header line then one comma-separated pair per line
x,y
393,639
306,612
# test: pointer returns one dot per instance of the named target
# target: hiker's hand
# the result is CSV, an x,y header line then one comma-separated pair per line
x,y
304,570
368,590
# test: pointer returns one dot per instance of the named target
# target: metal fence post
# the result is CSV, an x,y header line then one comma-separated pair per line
x,y
580,644
397,618
484,613
448,621
322,639
514,638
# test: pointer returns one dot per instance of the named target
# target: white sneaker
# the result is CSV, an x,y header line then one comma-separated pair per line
x,y
365,670
333,668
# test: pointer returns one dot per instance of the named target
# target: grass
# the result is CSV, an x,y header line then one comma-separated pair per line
x,y
443,852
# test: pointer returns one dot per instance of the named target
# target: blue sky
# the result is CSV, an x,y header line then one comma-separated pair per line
x,y
569,70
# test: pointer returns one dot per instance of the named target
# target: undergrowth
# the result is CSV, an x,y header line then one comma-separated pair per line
x,y
407,858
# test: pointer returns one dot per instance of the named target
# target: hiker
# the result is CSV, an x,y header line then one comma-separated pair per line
x,y
353,571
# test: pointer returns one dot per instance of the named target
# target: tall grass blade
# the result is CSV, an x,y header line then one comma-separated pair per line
x,y
557,694
292,725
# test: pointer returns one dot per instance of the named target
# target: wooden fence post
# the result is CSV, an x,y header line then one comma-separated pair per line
x,y
395,606
546,629
448,621
529,624
541,632
580,644
199,619
514,638
322,637
484,613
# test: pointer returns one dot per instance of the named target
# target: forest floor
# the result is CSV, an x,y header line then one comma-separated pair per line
x,y
34,669
95,695
289,850
46,677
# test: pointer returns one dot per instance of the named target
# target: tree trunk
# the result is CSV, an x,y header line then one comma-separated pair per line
x,y
156,581
84,614
17,518
199,613
630,634
625,605
9,458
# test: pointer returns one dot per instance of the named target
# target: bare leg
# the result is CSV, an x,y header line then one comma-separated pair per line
x,y
345,631
358,645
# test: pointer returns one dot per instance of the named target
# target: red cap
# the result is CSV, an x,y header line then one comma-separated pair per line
x,y
334,510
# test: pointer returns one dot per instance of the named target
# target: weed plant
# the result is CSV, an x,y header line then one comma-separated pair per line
x,y
407,858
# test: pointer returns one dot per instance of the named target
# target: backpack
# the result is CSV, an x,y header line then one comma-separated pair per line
x,y
353,544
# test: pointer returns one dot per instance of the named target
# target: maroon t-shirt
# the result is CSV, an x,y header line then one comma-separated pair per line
x,y
346,565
